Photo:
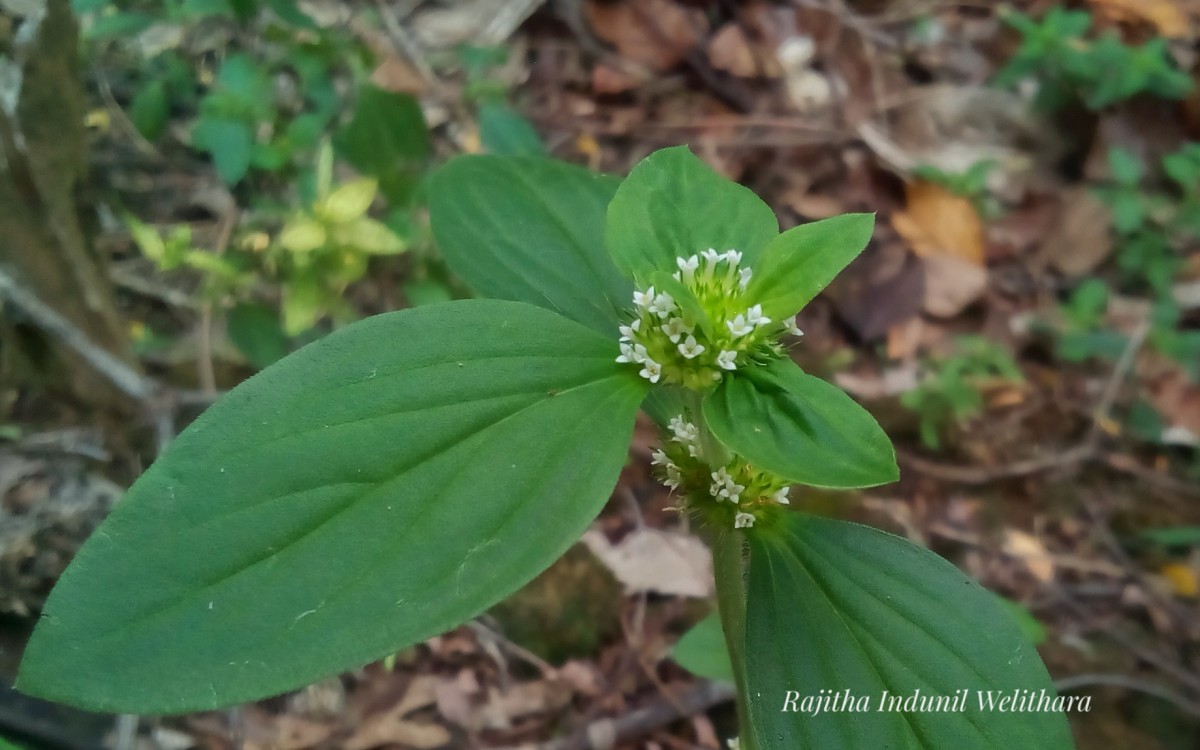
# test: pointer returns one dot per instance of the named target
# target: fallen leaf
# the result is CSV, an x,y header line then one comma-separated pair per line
x,y
1165,16
882,288
650,560
523,699
938,222
951,285
286,732
655,33
1080,240
397,75
1177,400
1182,579
391,726
1031,552
731,51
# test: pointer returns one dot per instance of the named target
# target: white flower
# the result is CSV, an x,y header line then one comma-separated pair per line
x,y
792,326
662,306
744,278
685,432
687,268
743,521
690,348
755,317
733,257
781,497
738,326
660,459
724,486
627,332
733,744
643,299
632,353
651,370
727,360
674,478
711,258
675,328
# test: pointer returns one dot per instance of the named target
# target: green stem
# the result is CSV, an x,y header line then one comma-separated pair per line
x,y
729,570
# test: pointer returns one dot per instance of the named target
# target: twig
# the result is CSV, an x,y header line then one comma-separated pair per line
x,y
606,733
483,631
985,475
404,43
126,379
1113,386
1071,684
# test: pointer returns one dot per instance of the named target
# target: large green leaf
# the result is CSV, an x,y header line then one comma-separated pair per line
x,y
800,427
530,229
837,606
674,205
802,261
371,490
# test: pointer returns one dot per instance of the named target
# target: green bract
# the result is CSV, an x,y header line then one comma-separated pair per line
x,y
403,474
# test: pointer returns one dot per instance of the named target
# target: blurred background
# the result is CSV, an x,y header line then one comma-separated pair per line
x,y
1024,322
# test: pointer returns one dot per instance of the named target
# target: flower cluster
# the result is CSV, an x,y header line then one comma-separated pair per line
x,y
735,494
699,326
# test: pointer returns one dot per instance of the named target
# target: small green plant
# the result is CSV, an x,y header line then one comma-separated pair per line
x,y
1082,331
1069,66
972,184
324,248
408,471
950,392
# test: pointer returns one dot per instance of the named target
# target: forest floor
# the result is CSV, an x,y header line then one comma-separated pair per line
x,y
1023,324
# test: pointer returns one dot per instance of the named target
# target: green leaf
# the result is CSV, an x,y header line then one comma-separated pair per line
x,y
375,488
302,234
800,427
347,202
368,236
1030,627
148,240
386,138
702,651
802,261
1174,536
837,606
231,143
530,229
674,205
1125,166
506,133
256,332
118,24
148,110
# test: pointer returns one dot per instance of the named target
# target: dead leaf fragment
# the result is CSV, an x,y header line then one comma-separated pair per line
x,y
938,222
1080,240
1166,16
655,33
650,560
951,285
1182,579
731,51
1030,551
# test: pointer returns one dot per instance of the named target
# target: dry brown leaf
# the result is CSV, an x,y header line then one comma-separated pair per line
x,y
951,285
523,699
1166,16
397,75
286,732
656,33
390,726
652,560
731,51
1080,240
1177,400
1030,551
938,222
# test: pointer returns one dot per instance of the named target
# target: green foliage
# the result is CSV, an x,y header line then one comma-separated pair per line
x,y
406,472
502,130
972,184
800,427
328,511
1082,333
949,392
701,650
847,607
1069,66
